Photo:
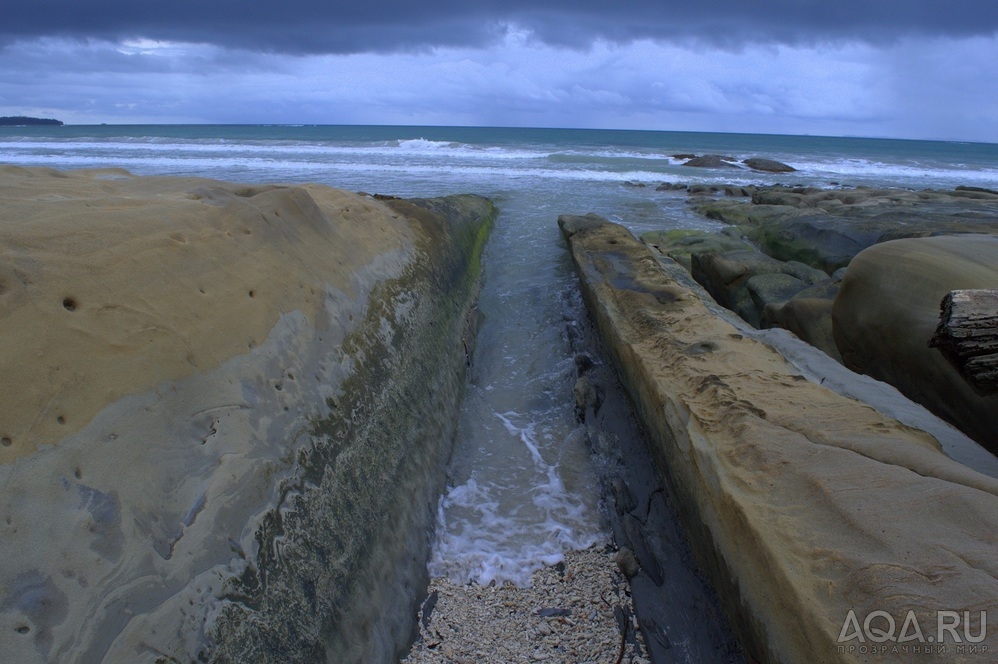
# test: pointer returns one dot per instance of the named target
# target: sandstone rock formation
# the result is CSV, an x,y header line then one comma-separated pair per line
x,y
801,504
808,314
681,244
226,411
747,281
887,311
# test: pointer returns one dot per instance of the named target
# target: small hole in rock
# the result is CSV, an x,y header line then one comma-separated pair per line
x,y
278,387
69,304
6,441
23,629
60,419
252,293
78,474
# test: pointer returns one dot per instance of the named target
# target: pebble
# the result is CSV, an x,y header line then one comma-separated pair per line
x,y
502,624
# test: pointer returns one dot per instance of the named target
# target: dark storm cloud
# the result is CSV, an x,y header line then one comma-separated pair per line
x,y
338,26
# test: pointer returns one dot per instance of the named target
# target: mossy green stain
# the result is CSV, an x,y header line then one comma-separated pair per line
x,y
366,464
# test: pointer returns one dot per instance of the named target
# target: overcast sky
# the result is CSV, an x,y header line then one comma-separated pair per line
x,y
907,69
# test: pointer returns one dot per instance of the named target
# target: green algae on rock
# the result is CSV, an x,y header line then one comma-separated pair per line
x,y
269,376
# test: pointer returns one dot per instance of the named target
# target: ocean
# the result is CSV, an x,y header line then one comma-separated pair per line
x,y
521,489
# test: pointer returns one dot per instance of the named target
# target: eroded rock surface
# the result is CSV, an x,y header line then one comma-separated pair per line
x,y
826,228
226,414
802,504
887,311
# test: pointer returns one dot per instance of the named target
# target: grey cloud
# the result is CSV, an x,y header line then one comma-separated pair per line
x,y
324,26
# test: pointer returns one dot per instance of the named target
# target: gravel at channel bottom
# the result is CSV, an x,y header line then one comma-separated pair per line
x,y
571,613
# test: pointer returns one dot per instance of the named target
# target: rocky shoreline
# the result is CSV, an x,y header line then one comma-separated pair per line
x,y
801,505
782,262
792,621
231,434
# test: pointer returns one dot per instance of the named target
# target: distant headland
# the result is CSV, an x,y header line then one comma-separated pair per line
x,y
20,120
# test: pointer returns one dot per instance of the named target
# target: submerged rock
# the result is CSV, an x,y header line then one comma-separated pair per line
x,y
768,165
802,505
711,161
227,410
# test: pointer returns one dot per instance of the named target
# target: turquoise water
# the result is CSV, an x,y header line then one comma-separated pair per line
x,y
521,491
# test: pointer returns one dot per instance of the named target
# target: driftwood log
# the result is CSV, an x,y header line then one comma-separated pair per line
x,y
967,335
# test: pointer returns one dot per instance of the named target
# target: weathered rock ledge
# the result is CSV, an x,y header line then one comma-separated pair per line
x,y
785,265
226,414
802,505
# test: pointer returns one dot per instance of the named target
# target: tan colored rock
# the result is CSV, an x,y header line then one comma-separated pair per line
x,y
802,505
808,318
887,310
172,274
225,414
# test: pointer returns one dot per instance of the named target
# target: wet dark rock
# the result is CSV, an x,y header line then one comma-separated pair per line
x,y
747,281
735,191
587,397
774,288
583,363
711,161
768,165
427,611
649,563
703,189
976,190
826,228
671,186
680,244
627,563
623,499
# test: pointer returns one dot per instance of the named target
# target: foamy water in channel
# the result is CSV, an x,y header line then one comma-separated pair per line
x,y
521,489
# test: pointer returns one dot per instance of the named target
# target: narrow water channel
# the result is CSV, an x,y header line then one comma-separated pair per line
x,y
528,481
521,488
